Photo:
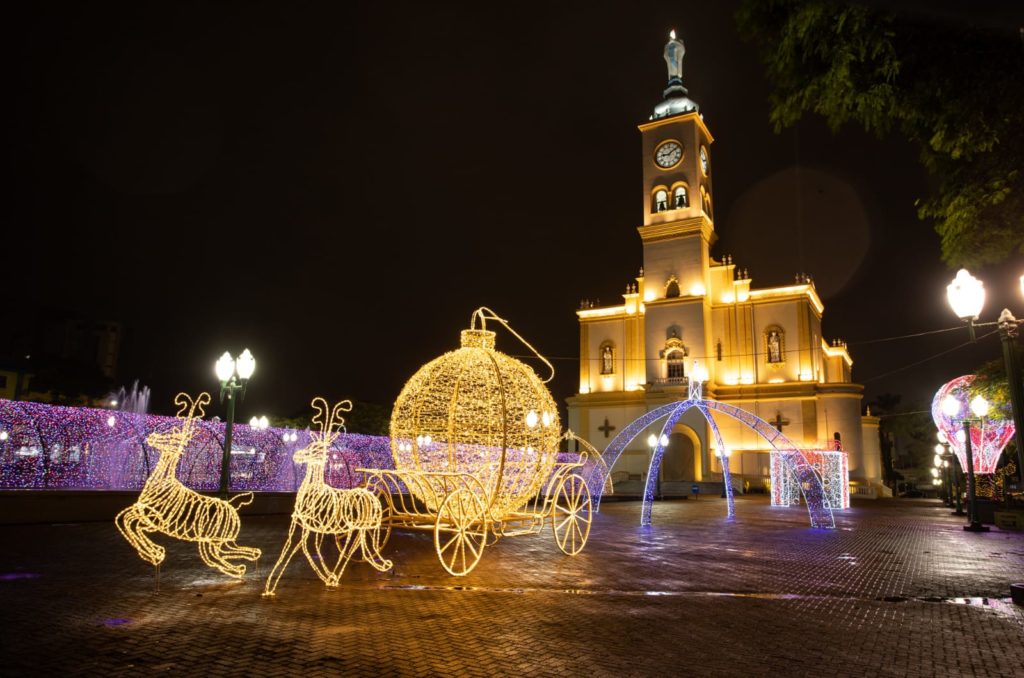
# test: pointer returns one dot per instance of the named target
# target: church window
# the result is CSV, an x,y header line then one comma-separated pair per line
x,y
775,345
680,197
676,362
607,358
661,200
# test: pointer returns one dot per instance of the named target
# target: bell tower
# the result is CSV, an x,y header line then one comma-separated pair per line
x,y
678,226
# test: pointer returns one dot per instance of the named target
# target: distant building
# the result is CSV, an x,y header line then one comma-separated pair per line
x,y
78,351
763,349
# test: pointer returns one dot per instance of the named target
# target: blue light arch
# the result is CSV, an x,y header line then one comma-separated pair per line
x,y
801,467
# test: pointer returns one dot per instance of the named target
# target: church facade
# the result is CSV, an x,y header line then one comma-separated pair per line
x,y
761,349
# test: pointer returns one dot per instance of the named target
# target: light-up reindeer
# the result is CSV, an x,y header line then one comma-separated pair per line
x,y
352,516
167,506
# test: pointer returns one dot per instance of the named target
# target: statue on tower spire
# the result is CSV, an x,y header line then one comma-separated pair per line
x,y
675,95
674,53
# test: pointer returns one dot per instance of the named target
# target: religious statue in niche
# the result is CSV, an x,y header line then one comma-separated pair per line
x,y
607,360
773,340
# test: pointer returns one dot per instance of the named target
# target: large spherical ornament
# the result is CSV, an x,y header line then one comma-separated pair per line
x,y
479,412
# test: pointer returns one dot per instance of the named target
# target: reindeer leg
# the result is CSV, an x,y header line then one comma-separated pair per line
x,y
128,522
233,551
291,545
317,563
211,555
345,548
371,552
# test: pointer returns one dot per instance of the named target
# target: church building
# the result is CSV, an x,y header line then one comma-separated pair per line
x,y
760,349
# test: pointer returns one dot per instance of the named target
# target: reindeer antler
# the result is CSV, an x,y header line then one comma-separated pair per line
x,y
322,417
338,421
329,418
185,402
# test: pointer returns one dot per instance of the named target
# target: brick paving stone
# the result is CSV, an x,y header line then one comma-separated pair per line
x,y
898,589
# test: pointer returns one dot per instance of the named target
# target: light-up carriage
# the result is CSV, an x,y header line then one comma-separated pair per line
x,y
474,437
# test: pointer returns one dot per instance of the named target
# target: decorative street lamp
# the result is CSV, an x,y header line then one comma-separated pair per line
x,y
978,406
259,423
233,375
949,457
942,476
966,296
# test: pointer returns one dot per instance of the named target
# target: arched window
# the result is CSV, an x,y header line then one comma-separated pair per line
x,y
674,356
675,360
672,288
774,345
607,358
660,200
680,197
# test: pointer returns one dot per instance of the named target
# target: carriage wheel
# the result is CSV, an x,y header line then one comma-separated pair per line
x,y
460,532
570,514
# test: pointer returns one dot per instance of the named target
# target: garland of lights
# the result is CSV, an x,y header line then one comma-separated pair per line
x,y
475,437
353,517
168,507
56,447
832,466
988,437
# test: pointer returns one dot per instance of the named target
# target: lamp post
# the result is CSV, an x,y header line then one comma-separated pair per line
x,y
966,295
233,375
979,407
941,474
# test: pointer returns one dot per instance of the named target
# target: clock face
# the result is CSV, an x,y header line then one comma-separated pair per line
x,y
668,154
704,159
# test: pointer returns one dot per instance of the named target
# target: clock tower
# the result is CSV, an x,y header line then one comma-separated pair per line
x,y
678,228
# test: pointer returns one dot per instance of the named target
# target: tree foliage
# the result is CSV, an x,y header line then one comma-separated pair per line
x,y
955,91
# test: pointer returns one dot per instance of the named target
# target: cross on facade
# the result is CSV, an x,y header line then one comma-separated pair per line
x,y
607,428
779,422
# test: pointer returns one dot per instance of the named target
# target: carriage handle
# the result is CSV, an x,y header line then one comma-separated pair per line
x,y
484,314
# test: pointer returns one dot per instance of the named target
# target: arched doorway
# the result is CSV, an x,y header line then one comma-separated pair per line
x,y
679,463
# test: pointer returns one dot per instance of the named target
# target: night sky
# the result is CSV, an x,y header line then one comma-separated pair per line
x,y
338,187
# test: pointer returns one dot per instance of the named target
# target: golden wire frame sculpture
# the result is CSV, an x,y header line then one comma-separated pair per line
x,y
166,506
352,516
475,436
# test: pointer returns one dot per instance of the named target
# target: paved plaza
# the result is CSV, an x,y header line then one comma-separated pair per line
x,y
897,589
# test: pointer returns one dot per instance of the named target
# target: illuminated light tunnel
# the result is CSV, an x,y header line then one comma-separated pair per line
x,y
800,466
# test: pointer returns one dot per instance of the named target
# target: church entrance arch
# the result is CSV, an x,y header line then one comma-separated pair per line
x,y
681,463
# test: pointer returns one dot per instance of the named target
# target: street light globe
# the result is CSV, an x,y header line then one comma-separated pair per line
x,y
979,406
939,449
663,440
224,367
937,461
966,294
950,406
245,365
264,422
652,441
935,473
941,435
254,422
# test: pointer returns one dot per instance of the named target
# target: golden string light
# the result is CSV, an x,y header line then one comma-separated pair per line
x,y
475,436
353,517
166,506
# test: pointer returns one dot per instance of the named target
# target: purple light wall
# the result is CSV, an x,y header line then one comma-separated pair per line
x,y
51,447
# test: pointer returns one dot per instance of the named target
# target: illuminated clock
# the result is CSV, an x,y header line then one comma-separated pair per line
x,y
668,154
704,160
